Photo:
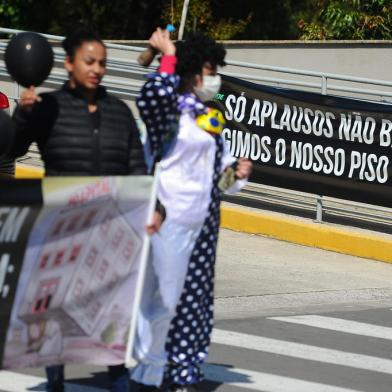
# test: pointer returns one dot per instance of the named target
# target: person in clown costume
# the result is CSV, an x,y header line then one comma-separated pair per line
x,y
184,136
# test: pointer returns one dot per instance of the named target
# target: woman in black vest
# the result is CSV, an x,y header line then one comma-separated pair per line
x,y
81,130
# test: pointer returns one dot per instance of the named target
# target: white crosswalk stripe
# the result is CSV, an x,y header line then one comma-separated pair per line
x,y
240,378
339,325
303,351
258,381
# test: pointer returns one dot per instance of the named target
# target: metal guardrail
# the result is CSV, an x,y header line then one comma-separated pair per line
x,y
259,193
323,85
125,77
325,76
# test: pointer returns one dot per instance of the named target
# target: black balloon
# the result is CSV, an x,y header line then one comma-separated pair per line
x,y
29,58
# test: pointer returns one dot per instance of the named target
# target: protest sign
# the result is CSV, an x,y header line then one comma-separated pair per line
x,y
72,260
310,142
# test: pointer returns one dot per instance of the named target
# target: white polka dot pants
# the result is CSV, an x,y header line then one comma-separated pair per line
x,y
190,332
178,295
165,278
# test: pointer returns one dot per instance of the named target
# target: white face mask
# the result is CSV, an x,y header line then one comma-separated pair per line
x,y
211,86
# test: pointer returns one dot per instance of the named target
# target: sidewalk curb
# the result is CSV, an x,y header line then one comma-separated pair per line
x,y
318,235
27,171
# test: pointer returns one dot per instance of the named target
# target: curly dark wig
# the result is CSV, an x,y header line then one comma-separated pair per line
x,y
195,51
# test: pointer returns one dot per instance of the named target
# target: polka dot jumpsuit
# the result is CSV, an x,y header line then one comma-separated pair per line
x,y
189,335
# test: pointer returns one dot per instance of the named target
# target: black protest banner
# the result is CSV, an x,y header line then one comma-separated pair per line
x,y
20,204
309,142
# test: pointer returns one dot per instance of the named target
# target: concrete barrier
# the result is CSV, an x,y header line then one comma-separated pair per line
x,y
26,171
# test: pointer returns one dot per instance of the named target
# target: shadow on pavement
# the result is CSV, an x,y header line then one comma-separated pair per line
x,y
216,375
95,379
39,387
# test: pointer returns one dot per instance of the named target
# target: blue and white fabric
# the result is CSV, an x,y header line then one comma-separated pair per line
x,y
176,316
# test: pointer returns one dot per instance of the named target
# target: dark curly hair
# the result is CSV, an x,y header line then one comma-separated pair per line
x,y
77,38
194,52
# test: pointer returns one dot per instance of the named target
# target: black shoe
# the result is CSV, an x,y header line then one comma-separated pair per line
x,y
146,388
56,387
184,388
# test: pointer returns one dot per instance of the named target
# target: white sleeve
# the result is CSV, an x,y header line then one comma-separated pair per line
x,y
228,160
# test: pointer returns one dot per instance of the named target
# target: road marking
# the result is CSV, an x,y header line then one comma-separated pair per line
x,y
17,382
304,351
341,325
258,381
242,378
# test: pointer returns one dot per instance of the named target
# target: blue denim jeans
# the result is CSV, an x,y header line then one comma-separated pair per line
x,y
118,375
55,376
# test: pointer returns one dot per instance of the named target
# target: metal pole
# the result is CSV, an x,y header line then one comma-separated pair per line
x,y
324,85
319,209
183,19
194,24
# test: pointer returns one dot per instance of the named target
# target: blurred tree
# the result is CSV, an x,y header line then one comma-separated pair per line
x,y
18,14
200,17
115,19
10,12
349,19
222,19
271,19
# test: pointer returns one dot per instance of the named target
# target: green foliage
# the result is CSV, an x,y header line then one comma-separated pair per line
x,y
200,17
227,29
115,19
312,31
350,19
11,12
221,19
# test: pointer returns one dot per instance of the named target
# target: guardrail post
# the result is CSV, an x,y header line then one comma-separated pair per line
x,y
319,209
324,82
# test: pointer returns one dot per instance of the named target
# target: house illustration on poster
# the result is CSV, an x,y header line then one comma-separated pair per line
x,y
88,250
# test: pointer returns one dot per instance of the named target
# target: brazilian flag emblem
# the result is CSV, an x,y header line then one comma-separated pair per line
x,y
213,121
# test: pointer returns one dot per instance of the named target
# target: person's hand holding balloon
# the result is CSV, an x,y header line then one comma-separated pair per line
x,y
28,98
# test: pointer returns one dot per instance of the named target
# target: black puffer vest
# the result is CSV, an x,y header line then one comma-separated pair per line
x,y
7,168
70,143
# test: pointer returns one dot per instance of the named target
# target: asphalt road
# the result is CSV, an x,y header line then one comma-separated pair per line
x,y
288,319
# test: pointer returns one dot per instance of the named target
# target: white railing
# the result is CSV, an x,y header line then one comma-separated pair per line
x,y
322,83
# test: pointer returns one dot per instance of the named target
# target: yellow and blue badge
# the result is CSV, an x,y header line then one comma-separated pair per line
x,y
213,121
